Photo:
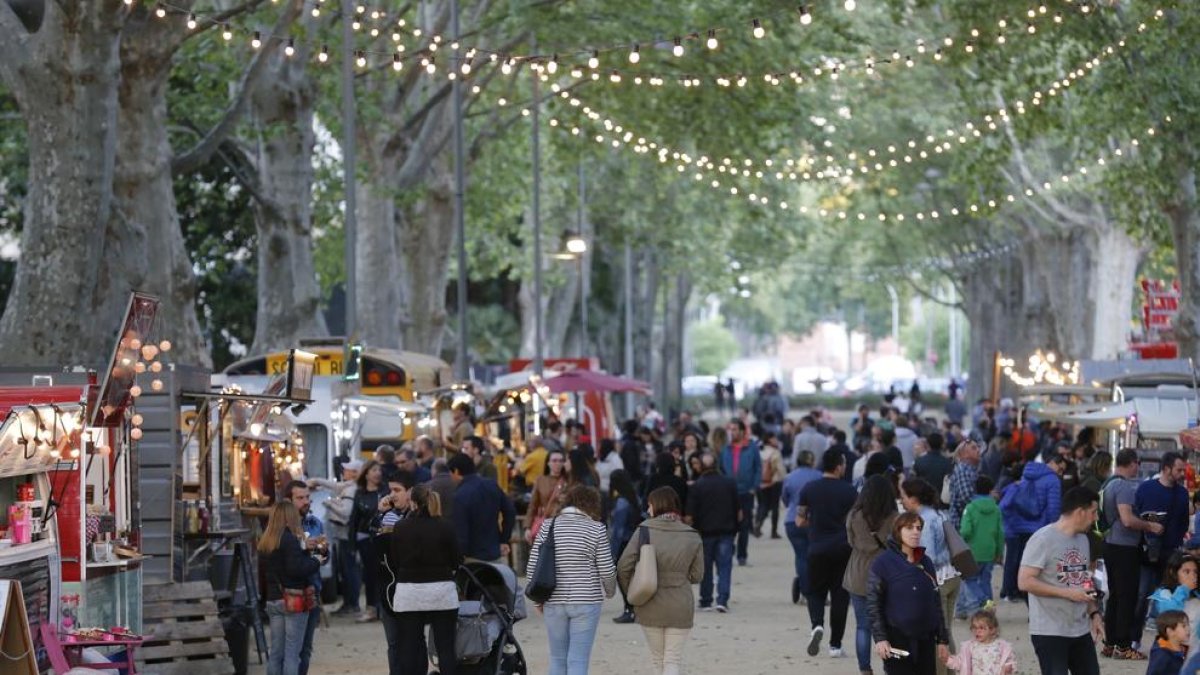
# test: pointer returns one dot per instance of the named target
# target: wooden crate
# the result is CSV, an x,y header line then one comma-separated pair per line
x,y
183,631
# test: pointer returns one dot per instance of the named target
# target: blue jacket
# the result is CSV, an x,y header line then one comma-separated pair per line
x,y
1049,497
478,505
902,598
1164,661
749,473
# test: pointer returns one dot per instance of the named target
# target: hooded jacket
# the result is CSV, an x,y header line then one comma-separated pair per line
x,y
903,599
982,530
1049,496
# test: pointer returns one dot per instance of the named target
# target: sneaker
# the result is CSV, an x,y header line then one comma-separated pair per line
x,y
795,590
626,617
705,608
814,640
775,535
367,616
722,609
1128,654
346,611
836,653
989,606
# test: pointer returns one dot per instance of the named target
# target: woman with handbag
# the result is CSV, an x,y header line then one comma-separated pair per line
x,y
543,502
661,587
918,497
584,576
422,556
288,593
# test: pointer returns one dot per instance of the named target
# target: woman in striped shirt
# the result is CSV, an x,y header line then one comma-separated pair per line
x,y
584,577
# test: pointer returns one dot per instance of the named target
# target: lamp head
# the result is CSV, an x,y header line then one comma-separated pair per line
x,y
577,245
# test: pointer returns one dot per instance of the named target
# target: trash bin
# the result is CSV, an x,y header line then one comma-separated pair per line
x,y
236,621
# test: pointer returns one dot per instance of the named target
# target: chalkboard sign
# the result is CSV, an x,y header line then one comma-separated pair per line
x,y
17,656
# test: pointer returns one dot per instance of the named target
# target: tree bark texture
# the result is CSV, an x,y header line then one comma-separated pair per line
x,y
144,248
670,386
1184,214
647,280
289,298
426,238
379,302
64,79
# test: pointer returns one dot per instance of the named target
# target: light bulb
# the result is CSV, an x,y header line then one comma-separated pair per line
x,y
430,67
506,67
137,420
635,55
160,12
466,69
135,391
712,39
551,67
594,62
759,31
677,50
850,5
256,41
140,367
227,34
290,49
191,22
396,63
324,55
356,24
135,434
805,15
156,384
360,59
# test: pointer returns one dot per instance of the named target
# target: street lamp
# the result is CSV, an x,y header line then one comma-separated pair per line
x,y
576,249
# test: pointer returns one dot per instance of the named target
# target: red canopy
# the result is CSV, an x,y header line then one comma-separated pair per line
x,y
589,380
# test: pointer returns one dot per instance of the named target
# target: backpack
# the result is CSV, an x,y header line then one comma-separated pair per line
x,y
1105,522
1022,498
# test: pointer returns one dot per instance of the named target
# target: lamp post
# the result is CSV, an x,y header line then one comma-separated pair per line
x,y
577,248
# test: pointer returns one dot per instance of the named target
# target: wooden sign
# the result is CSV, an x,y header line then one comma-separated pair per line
x,y
16,642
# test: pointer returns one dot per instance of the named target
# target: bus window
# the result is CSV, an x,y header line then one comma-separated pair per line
x,y
316,450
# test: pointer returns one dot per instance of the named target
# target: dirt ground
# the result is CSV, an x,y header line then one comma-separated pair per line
x,y
763,633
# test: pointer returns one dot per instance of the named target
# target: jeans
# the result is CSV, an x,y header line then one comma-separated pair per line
x,y
347,561
287,638
768,504
746,505
370,569
411,653
314,619
799,538
1057,655
978,590
1123,564
1151,577
571,628
864,646
828,568
1014,548
718,552
666,648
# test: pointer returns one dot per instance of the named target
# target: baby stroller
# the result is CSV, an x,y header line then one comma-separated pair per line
x,y
489,604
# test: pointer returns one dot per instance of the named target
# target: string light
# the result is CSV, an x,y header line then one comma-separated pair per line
x,y
290,49
397,64
850,5
256,41
805,16
635,55
323,55
360,59
594,60
677,50
759,31
191,22
160,12
227,34
712,43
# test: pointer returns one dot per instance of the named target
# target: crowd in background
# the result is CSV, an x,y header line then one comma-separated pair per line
x,y
902,517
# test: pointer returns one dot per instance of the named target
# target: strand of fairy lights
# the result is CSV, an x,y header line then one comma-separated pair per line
x,y
547,65
891,156
619,137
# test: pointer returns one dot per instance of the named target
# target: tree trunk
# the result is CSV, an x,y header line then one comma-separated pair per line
x,y
671,386
647,279
289,298
1184,214
144,247
65,83
426,239
379,306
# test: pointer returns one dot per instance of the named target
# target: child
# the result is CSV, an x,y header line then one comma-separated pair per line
x,y
987,654
1170,650
984,533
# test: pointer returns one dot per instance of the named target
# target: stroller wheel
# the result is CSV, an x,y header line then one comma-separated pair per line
x,y
513,660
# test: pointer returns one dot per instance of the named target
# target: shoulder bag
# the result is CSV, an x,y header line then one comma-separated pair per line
x,y
644,583
544,579
961,556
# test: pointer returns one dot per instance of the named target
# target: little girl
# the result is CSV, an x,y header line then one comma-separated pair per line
x,y
987,654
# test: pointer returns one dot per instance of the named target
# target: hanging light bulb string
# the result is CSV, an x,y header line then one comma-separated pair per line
x,y
895,154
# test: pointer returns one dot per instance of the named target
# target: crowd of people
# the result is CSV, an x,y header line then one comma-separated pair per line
x,y
900,517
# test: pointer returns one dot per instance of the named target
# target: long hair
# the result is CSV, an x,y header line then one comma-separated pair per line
x,y
876,502
362,475
426,501
622,486
581,468
718,439
284,516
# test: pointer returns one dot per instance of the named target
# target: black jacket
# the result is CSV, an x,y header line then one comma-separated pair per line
x,y
670,480
713,505
366,506
288,566
422,550
902,598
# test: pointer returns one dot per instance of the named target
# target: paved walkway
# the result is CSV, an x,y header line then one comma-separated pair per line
x,y
763,633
